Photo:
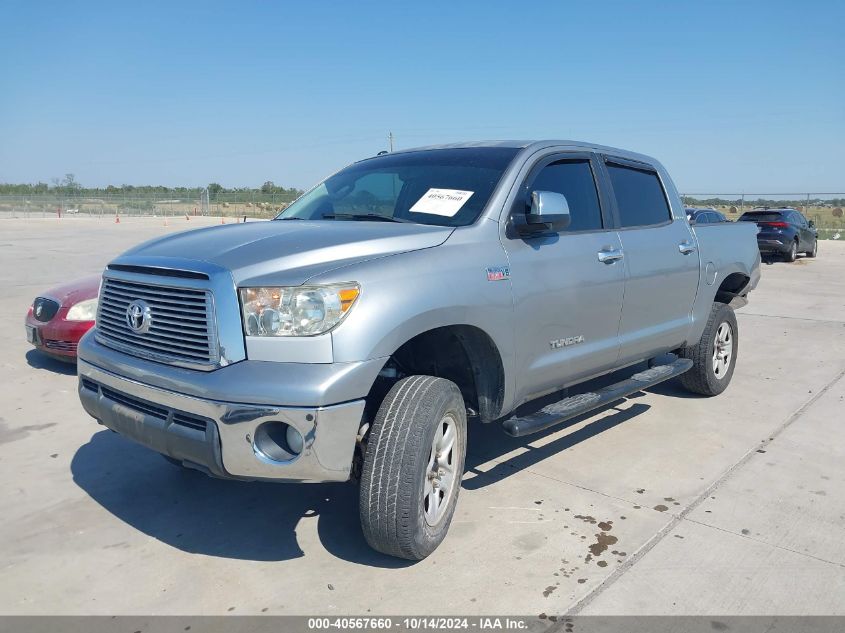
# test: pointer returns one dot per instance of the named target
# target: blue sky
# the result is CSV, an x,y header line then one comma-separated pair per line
x,y
731,96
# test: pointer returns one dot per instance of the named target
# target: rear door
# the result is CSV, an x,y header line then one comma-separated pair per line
x,y
567,286
661,262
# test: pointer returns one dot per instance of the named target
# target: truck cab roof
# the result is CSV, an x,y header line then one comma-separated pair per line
x,y
536,145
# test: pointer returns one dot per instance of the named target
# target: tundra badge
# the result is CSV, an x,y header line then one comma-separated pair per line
x,y
566,342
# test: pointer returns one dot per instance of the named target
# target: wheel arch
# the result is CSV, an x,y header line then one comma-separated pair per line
x,y
732,286
463,353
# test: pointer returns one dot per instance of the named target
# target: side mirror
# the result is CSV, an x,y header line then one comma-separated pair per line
x,y
812,224
691,219
549,211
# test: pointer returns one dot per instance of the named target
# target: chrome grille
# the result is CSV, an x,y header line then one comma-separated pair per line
x,y
180,328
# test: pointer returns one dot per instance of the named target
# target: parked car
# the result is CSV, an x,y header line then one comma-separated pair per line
x,y
705,216
354,336
58,318
785,232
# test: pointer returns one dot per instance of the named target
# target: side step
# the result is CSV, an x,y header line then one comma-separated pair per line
x,y
574,406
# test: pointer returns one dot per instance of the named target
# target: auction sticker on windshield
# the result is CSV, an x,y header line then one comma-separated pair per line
x,y
441,202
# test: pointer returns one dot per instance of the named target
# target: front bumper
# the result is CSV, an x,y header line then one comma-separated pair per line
x,y
58,337
217,436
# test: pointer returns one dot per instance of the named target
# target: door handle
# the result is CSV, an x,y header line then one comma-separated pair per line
x,y
686,247
609,256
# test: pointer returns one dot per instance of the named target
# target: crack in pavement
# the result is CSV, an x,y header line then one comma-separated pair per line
x,y
791,318
761,541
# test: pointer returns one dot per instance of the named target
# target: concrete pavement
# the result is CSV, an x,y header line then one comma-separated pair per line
x,y
666,503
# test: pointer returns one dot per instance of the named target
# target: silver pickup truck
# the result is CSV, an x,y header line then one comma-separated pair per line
x,y
354,335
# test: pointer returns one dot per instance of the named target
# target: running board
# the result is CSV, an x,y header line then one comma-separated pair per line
x,y
574,406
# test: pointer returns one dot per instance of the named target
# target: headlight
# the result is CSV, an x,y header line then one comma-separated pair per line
x,y
296,311
83,311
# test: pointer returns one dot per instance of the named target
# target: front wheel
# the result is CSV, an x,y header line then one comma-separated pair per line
x,y
815,250
714,356
413,467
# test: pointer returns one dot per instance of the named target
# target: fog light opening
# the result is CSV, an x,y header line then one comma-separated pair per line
x,y
278,442
294,440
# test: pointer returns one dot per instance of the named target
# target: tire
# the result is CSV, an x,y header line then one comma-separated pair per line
x,y
710,376
792,253
399,509
815,250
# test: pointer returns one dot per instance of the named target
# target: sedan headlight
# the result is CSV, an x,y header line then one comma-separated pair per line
x,y
296,311
83,311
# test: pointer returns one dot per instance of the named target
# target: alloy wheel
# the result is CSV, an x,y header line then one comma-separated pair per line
x,y
440,472
723,346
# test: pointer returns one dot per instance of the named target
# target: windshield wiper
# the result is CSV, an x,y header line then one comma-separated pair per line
x,y
292,217
364,217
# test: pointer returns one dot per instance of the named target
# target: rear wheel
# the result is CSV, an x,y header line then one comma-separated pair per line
x,y
792,253
815,250
413,467
714,356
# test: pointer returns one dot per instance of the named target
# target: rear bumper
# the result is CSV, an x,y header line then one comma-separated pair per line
x,y
218,437
773,244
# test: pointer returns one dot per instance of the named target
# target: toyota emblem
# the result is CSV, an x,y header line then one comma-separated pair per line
x,y
138,316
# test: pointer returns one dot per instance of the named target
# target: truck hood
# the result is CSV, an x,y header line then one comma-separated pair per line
x,y
285,253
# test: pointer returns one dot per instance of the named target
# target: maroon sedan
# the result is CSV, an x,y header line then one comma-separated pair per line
x,y
58,318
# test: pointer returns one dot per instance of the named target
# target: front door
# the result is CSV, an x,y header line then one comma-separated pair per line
x,y
567,301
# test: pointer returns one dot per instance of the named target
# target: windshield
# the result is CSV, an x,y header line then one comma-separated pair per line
x,y
444,187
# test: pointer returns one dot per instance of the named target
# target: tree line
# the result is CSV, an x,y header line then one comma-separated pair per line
x,y
761,202
69,186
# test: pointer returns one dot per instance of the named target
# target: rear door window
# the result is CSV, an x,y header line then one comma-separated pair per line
x,y
639,196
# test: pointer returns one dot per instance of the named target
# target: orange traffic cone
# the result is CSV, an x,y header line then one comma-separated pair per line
x,y
165,220
222,220
116,219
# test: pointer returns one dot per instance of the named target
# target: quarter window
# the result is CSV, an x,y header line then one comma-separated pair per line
x,y
573,179
639,196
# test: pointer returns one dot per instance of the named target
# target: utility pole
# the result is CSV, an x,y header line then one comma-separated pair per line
x,y
390,140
